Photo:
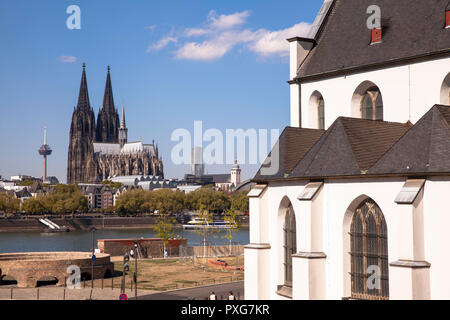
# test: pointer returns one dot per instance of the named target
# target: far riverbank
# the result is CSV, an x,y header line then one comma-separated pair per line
x,y
79,222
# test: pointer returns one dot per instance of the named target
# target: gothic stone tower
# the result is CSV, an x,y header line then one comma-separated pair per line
x,y
108,118
81,166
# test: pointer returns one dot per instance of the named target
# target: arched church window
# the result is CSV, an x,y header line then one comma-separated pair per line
x,y
369,253
372,104
289,245
321,113
316,110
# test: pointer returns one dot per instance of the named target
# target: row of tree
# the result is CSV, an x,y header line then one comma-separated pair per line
x,y
166,201
8,203
69,199
62,199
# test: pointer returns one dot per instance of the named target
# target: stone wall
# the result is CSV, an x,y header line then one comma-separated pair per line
x,y
28,268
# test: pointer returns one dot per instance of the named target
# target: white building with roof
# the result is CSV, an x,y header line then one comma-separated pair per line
x,y
351,202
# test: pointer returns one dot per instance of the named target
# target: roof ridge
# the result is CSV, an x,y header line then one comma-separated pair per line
x,y
298,161
330,11
373,121
390,148
350,144
324,137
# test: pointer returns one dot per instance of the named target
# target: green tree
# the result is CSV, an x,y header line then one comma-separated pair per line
x,y
204,229
61,199
112,184
164,229
208,199
8,203
240,202
26,183
34,205
132,202
233,222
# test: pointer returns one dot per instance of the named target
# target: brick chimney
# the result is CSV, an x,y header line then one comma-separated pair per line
x,y
377,35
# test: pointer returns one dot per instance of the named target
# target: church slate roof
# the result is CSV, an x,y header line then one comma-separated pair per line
x,y
128,148
292,145
423,149
349,147
412,28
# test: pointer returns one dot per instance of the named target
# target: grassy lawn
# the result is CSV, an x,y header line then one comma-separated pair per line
x,y
167,274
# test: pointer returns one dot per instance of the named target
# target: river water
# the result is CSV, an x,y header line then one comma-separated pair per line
x,y
82,240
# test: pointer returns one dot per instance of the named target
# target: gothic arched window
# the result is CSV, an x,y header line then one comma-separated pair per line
x,y
289,244
372,104
369,253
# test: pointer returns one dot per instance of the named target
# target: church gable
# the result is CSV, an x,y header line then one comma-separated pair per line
x,y
349,147
292,145
425,148
410,29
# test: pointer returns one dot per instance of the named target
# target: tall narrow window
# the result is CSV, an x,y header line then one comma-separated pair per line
x,y
316,111
369,253
321,113
372,105
445,91
289,245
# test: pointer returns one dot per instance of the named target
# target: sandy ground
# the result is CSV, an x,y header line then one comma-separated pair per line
x,y
169,274
153,276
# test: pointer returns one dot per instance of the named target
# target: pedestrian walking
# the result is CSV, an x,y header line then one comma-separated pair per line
x,y
231,296
212,296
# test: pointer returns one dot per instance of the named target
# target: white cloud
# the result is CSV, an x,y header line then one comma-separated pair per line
x,y
274,42
224,32
161,44
224,21
195,32
205,51
214,48
151,28
67,59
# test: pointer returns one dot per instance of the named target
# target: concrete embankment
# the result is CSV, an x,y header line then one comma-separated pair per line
x,y
79,223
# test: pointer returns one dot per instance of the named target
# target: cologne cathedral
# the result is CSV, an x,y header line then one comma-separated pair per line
x,y
100,151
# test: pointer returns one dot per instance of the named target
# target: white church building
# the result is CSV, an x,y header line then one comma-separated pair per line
x,y
358,206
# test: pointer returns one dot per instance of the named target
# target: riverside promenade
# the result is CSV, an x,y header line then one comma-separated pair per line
x,y
55,293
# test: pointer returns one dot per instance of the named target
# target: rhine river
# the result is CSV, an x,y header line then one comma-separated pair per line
x,y
82,240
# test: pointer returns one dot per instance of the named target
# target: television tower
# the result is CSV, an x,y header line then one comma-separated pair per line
x,y
45,151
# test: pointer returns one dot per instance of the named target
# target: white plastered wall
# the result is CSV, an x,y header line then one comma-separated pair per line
x,y
340,198
408,92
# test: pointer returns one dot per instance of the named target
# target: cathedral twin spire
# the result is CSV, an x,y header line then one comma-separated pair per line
x,y
84,163
83,97
108,118
108,125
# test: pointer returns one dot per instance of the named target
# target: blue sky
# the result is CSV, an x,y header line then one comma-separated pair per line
x,y
172,62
